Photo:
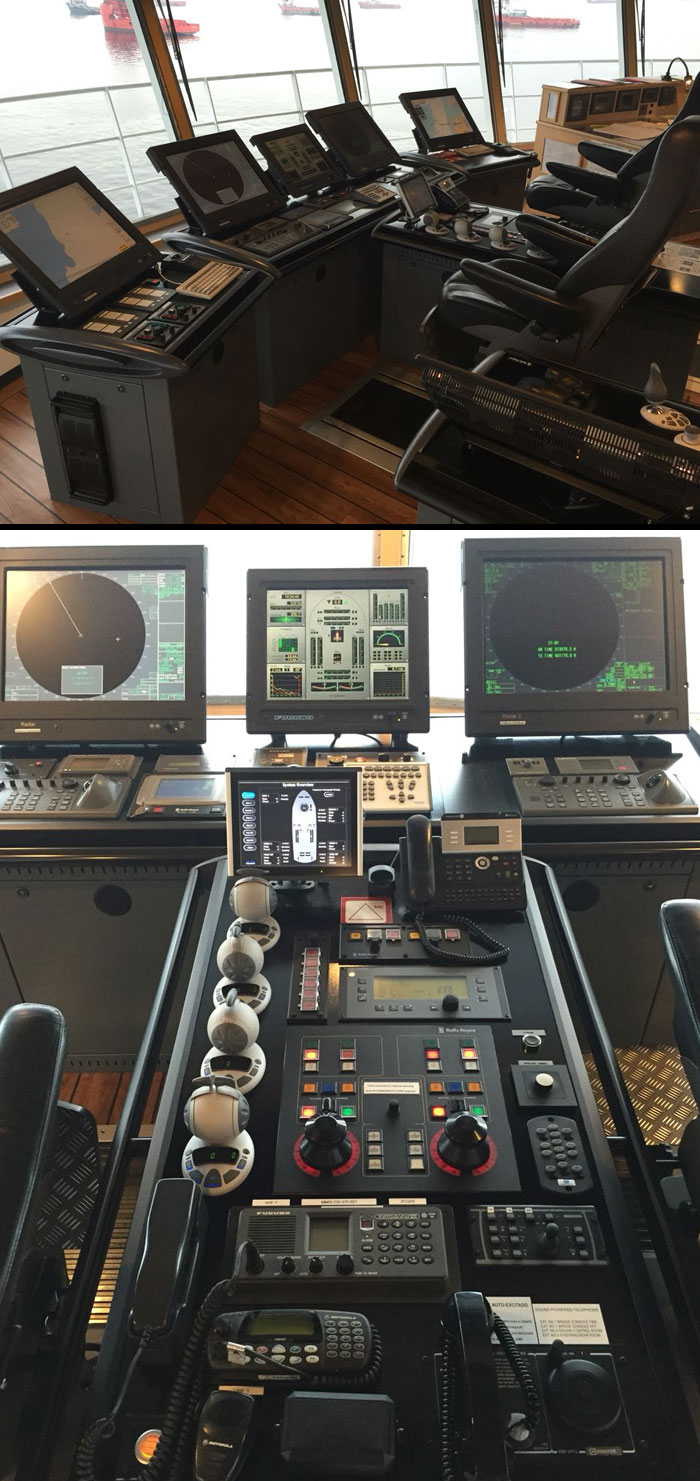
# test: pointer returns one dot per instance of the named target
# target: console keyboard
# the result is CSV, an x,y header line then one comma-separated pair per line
x,y
396,787
373,195
210,280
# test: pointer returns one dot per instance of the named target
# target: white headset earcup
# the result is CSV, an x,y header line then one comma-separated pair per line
x,y
252,898
239,958
217,1114
233,1030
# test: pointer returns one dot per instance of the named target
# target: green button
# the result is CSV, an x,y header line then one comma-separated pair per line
x,y
431,1044
347,1043
478,1110
467,1043
348,1112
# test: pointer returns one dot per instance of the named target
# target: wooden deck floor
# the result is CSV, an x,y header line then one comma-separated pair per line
x,y
283,476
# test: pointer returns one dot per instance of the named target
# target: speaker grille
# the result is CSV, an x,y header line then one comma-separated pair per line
x,y
274,1234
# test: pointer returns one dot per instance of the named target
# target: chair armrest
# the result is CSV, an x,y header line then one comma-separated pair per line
x,y
527,299
604,155
602,187
567,245
573,175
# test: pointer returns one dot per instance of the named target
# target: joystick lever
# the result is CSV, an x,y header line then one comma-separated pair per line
x,y
464,1142
325,1144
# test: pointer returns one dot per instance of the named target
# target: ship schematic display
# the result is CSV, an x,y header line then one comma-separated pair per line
x,y
337,644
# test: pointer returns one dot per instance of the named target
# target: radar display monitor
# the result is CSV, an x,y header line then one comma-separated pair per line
x,y
441,119
574,636
218,181
296,160
354,139
337,651
294,823
72,249
103,646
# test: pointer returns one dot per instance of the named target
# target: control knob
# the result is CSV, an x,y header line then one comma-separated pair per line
x,y
543,1083
450,1003
288,1265
531,1043
325,1144
464,1141
315,1265
345,1264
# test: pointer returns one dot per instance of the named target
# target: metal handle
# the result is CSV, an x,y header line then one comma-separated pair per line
x,y
87,349
219,251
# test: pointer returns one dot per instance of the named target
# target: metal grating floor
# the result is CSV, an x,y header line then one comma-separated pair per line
x,y
661,1096
117,1245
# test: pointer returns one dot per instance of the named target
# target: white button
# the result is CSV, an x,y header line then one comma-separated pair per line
x,y
310,1347
296,1360
312,1359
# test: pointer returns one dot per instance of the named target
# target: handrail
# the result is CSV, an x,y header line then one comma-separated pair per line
x,y
69,1346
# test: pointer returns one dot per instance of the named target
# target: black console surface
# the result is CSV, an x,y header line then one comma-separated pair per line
x,y
512,1193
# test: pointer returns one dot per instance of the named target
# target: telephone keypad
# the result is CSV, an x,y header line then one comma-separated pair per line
x,y
560,1162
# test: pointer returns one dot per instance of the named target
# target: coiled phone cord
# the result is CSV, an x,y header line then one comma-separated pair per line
x,y
494,956
448,1393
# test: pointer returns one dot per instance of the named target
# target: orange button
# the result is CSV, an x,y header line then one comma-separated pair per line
x,y
310,1054
438,1113
309,1087
414,935
307,1112
145,1446
348,1087
355,935
436,1087
432,1053
474,1086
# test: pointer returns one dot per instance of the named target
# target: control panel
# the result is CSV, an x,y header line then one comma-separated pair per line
x,y
398,943
97,796
389,1252
591,784
503,1234
154,312
415,1107
462,995
180,796
398,785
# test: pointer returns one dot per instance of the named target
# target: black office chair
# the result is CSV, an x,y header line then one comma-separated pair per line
x,y
48,1176
596,202
517,305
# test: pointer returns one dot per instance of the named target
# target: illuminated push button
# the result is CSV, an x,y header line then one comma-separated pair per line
x,y
145,1447
307,1112
468,1055
474,1087
432,1055
310,1056
436,1087
438,1113
309,1087
348,1087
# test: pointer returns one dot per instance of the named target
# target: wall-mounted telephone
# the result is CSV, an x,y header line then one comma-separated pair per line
x,y
292,1344
449,196
476,864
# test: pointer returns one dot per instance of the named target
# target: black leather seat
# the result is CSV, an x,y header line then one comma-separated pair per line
x,y
521,305
595,202
32,1051
680,931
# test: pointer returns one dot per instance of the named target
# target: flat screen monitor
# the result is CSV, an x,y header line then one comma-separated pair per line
x,y
415,195
104,646
71,247
576,636
628,100
219,182
354,139
441,118
337,651
296,160
294,822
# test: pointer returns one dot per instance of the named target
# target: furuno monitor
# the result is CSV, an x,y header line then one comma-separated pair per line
x,y
296,822
296,160
219,183
576,636
71,248
102,645
354,139
338,651
441,119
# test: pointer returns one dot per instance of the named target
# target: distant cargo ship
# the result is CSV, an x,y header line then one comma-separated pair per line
x,y
81,7
289,7
115,17
519,19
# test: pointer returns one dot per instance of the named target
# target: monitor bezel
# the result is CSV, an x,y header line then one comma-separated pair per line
x,y
114,721
407,180
278,174
305,775
96,287
221,220
582,713
317,117
446,141
326,717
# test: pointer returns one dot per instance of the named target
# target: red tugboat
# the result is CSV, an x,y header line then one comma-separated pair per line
x,y
115,17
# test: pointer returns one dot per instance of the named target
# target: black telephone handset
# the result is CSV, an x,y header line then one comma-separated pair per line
x,y
472,1419
419,871
170,1261
470,1404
